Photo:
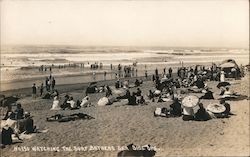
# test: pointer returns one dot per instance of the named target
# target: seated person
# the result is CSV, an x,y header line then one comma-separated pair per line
x,y
199,83
141,100
222,90
108,91
6,135
160,99
55,93
117,84
72,103
19,111
138,92
55,105
65,102
227,112
141,81
126,96
188,113
163,112
175,108
85,102
207,95
150,95
177,83
132,99
202,114
29,124
137,83
229,93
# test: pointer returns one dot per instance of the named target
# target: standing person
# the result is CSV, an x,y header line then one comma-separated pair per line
x,y
170,72
93,75
46,83
49,83
53,83
146,74
105,73
222,76
34,90
111,66
41,89
156,72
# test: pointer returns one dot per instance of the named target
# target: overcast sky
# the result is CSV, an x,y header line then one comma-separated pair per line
x,y
208,23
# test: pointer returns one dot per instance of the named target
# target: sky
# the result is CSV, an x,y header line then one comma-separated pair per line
x,y
170,23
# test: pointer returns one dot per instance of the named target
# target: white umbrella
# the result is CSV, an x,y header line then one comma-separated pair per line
x,y
190,101
216,108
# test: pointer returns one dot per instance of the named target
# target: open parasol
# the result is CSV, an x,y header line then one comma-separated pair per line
x,y
216,108
223,84
190,101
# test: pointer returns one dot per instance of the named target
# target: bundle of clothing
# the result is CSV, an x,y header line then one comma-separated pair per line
x,y
67,118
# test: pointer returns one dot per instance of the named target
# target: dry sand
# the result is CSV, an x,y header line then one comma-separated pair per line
x,y
120,125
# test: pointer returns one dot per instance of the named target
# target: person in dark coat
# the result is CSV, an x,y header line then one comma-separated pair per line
x,y
132,99
29,124
34,90
137,83
207,95
175,108
202,114
138,92
170,72
227,112
19,112
6,136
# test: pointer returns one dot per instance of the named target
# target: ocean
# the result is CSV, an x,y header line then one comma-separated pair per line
x,y
21,62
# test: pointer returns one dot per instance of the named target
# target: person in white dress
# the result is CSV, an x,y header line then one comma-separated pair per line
x,y
188,113
85,102
222,76
55,105
72,103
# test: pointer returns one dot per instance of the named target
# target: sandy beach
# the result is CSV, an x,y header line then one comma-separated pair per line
x,y
118,125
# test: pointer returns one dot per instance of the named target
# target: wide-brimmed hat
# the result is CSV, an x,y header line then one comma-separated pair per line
x,y
190,101
216,108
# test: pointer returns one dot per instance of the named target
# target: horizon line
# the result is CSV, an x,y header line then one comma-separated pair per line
x,y
153,46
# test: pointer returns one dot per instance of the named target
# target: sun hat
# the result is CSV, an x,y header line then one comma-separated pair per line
x,y
216,108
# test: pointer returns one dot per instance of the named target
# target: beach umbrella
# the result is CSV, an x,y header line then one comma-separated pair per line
x,y
223,84
216,108
190,101
103,101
